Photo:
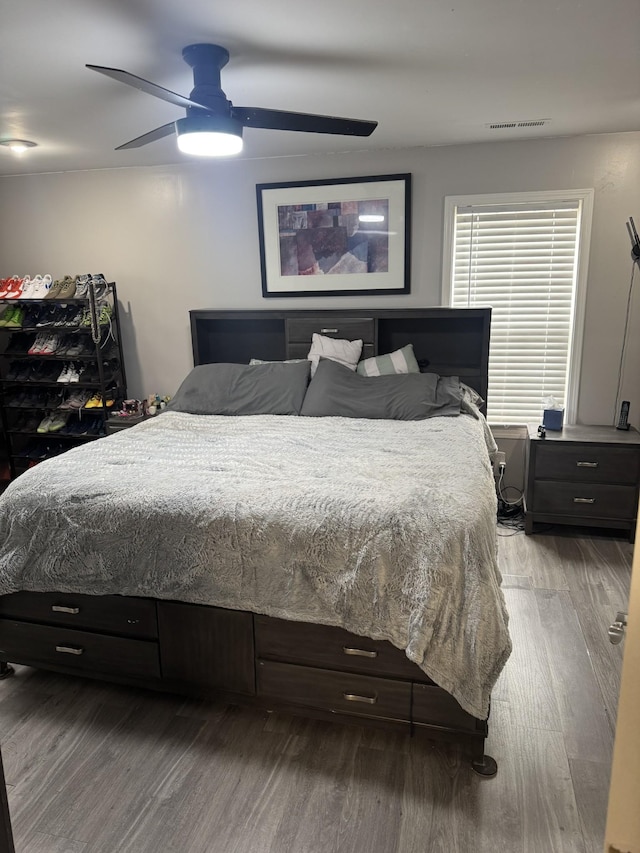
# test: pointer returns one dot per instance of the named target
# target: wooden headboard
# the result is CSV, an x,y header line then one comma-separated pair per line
x,y
447,341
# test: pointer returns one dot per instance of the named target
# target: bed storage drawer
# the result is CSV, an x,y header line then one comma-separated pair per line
x,y
42,645
340,692
113,614
434,706
332,648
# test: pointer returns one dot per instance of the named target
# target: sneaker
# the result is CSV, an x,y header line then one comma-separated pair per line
x,y
6,314
38,343
75,372
58,421
16,319
99,285
51,345
6,284
82,286
105,314
15,287
45,423
54,399
75,348
68,289
74,317
77,399
28,287
64,373
94,402
41,287
55,288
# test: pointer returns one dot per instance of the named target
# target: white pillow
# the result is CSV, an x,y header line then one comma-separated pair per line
x,y
344,352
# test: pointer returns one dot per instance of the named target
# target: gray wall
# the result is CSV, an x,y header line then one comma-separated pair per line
x,y
182,237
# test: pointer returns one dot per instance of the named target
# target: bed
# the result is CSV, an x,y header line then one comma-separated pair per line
x,y
340,567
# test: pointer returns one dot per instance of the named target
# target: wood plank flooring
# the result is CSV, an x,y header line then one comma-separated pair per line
x,y
96,768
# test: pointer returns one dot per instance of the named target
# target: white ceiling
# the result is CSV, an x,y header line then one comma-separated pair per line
x,y
430,72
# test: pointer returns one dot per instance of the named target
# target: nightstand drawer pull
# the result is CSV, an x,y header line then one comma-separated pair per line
x,y
70,650
363,653
353,697
587,464
62,608
329,331
584,500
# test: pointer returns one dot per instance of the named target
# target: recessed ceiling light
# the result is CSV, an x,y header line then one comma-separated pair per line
x,y
18,146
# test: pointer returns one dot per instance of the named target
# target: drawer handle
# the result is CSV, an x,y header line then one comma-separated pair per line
x,y
62,608
353,697
584,500
587,464
329,331
70,650
362,653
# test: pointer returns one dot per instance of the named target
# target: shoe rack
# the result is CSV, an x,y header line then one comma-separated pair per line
x,y
61,372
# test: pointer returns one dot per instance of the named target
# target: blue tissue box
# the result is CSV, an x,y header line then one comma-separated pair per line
x,y
553,418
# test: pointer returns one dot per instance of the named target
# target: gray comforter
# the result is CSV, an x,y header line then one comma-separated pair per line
x,y
384,528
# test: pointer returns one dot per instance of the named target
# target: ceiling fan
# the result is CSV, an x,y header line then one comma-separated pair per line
x,y
213,125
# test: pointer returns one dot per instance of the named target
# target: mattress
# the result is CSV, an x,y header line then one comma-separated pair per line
x,y
384,528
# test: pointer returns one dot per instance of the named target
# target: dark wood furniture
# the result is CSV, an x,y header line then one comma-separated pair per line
x,y
583,475
447,341
298,667
316,670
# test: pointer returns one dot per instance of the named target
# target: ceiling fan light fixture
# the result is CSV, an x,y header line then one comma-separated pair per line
x,y
209,136
18,146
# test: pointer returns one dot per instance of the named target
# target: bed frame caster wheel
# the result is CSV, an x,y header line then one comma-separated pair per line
x,y
5,670
485,766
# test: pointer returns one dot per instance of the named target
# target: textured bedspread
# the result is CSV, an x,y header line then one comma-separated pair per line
x,y
384,528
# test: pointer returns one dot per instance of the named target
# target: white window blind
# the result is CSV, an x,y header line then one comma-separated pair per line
x,y
521,259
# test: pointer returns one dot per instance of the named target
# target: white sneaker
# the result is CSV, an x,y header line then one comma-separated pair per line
x,y
38,343
64,374
74,373
51,344
28,288
42,286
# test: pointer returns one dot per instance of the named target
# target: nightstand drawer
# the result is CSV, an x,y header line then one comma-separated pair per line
x,y
591,500
587,464
42,645
340,692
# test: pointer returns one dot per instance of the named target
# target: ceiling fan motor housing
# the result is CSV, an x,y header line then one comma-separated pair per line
x,y
206,60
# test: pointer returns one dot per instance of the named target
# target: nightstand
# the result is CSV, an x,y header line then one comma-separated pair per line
x,y
583,475
115,424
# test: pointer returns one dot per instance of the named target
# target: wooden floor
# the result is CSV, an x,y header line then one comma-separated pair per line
x,y
93,768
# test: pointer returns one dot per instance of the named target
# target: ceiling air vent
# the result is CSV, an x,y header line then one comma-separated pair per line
x,y
506,125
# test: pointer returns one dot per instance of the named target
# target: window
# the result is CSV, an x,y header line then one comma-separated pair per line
x,y
524,254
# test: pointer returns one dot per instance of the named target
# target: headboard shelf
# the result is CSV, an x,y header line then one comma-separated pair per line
x,y
455,341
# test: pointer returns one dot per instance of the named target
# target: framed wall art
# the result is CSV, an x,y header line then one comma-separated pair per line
x,y
340,237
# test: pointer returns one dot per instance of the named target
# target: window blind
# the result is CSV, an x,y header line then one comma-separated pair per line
x,y
521,259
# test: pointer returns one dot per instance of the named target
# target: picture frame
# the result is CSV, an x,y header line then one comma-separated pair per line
x,y
337,237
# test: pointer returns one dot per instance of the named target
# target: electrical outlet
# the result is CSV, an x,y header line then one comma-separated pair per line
x,y
499,463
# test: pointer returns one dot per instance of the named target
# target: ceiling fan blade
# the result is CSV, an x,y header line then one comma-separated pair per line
x,y
308,122
152,136
146,86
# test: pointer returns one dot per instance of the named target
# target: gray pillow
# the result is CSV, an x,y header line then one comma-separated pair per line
x,y
336,391
243,389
